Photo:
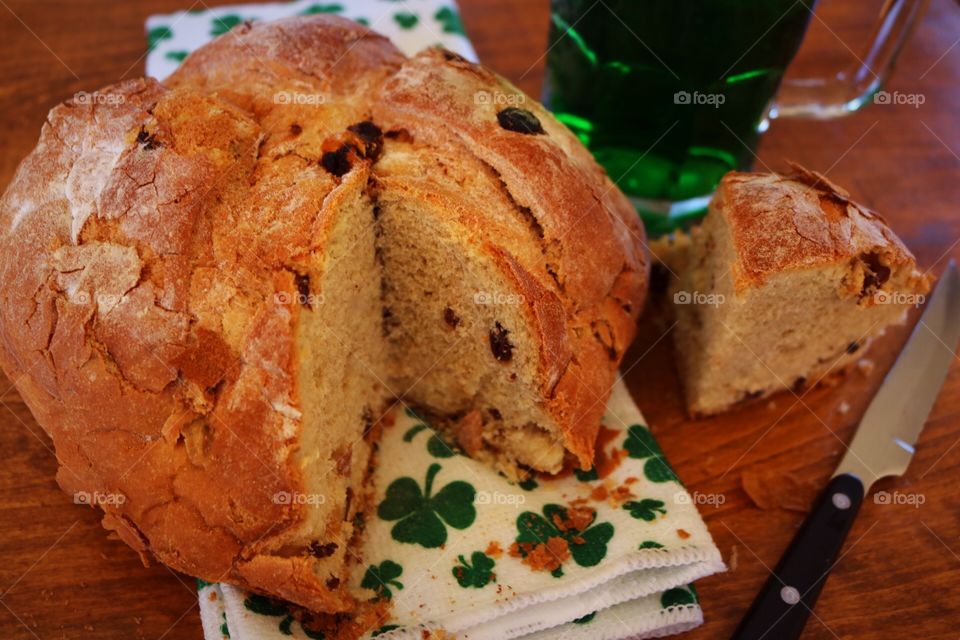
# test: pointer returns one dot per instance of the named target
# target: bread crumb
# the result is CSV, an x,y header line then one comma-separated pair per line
x,y
620,495
683,534
578,518
843,408
494,550
771,489
734,558
757,488
599,493
542,557
865,366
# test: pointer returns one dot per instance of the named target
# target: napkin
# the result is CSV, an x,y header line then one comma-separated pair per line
x,y
412,25
604,554
607,553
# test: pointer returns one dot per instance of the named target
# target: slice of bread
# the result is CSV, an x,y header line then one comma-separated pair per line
x,y
213,287
786,280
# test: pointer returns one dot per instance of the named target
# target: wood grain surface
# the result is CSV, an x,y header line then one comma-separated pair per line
x,y
899,577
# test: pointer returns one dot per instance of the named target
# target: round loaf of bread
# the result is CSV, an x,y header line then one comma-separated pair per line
x,y
213,288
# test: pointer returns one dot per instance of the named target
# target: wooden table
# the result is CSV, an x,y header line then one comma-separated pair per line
x,y
60,577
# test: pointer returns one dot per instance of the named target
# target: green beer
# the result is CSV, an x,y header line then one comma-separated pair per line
x,y
669,94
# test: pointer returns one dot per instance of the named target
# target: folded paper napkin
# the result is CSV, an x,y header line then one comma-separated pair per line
x,y
412,25
605,554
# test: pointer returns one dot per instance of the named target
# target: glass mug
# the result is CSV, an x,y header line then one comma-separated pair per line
x,y
671,94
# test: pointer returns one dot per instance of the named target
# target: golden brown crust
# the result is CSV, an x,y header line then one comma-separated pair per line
x,y
783,222
588,271
801,278
148,269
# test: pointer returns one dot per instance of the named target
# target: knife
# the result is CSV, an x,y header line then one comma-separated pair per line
x,y
882,446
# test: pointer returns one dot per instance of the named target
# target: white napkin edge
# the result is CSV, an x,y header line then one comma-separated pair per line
x,y
706,559
213,613
540,616
554,613
665,623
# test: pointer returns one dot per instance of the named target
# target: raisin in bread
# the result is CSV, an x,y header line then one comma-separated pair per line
x,y
213,287
786,280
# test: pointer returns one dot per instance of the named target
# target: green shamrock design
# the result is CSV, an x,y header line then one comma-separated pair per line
x,y
450,20
155,35
587,546
269,607
586,476
650,544
177,56
641,445
382,630
436,445
423,516
413,413
412,432
406,20
585,619
380,578
529,484
647,509
679,596
322,8
440,448
223,24
477,573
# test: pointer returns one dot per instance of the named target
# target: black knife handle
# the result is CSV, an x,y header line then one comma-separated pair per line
x,y
783,605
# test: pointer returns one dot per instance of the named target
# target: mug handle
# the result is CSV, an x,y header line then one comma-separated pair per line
x,y
825,97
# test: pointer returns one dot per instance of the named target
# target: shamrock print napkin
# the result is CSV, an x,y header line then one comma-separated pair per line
x,y
452,545
412,25
605,554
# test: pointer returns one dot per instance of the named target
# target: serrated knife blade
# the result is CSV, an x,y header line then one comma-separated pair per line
x,y
884,441
882,446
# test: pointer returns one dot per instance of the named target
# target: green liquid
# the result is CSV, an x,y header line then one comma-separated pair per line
x,y
617,74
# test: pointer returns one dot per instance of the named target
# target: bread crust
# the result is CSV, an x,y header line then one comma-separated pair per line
x,y
789,251
799,220
590,254
148,281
